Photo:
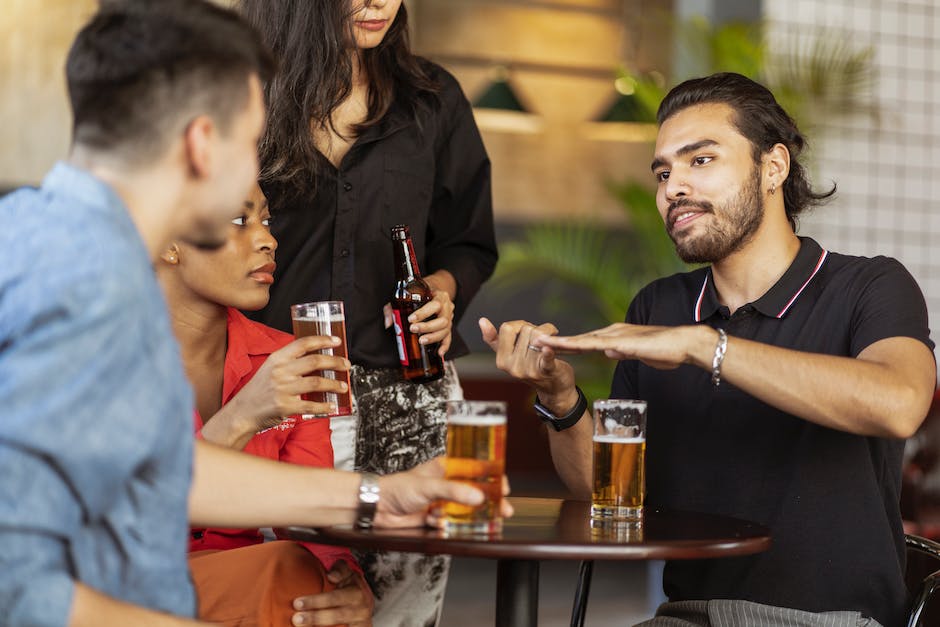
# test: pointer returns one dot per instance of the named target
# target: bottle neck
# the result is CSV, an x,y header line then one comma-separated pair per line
x,y
406,263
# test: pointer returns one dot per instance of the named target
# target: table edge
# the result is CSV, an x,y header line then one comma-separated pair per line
x,y
502,550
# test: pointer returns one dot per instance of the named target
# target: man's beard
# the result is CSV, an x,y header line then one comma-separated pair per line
x,y
729,230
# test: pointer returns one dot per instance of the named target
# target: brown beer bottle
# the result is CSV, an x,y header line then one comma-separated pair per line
x,y
420,362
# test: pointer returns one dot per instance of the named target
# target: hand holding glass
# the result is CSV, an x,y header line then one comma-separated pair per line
x,y
476,454
325,318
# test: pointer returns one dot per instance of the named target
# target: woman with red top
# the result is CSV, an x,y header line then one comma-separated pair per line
x,y
248,379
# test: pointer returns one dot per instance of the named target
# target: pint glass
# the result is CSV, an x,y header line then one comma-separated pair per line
x,y
325,318
476,454
619,454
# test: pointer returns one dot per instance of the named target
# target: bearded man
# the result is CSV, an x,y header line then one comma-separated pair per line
x,y
781,379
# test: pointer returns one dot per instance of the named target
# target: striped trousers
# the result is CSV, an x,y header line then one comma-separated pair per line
x,y
732,613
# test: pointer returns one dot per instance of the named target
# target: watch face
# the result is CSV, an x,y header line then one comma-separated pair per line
x,y
369,489
547,417
543,413
563,422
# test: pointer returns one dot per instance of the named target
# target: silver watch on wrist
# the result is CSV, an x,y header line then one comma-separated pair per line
x,y
368,500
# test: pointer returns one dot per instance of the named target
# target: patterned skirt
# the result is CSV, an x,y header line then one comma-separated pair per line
x,y
398,425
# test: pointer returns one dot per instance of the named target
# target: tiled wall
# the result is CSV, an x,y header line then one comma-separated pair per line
x,y
888,171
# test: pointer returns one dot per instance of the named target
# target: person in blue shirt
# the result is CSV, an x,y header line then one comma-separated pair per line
x,y
100,478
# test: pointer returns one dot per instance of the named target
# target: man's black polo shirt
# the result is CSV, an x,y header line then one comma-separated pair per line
x,y
830,498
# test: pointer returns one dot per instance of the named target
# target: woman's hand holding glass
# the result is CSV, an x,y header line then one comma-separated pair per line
x,y
275,391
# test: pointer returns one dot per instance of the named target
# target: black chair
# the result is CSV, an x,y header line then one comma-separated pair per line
x,y
923,579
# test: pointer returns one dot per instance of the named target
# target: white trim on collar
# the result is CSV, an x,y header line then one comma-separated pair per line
x,y
822,258
697,310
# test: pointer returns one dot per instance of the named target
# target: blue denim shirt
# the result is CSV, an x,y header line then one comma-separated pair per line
x,y
95,410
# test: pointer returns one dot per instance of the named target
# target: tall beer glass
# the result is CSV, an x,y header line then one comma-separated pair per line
x,y
325,318
619,455
476,454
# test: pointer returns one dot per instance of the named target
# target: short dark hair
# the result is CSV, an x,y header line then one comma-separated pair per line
x,y
140,70
759,118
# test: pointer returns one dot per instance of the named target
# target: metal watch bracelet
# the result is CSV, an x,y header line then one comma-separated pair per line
x,y
368,500
720,349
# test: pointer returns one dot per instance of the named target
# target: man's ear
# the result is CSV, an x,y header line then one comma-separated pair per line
x,y
198,140
776,166
171,255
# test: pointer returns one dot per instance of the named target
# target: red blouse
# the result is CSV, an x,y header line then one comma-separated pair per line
x,y
296,441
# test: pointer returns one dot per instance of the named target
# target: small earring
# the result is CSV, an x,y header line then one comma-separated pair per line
x,y
773,188
171,258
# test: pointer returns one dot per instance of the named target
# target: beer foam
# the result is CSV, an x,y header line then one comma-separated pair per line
x,y
331,318
618,439
476,421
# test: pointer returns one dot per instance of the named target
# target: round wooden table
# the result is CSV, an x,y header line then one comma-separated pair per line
x,y
555,529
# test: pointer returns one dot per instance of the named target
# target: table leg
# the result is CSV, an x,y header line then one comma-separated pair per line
x,y
581,593
517,593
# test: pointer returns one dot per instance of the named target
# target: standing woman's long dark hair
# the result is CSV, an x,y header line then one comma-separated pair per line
x,y
312,40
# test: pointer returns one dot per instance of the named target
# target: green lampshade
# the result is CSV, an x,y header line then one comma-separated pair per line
x,y
625,106
623,109
499,95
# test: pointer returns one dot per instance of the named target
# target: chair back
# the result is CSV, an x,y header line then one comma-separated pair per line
x,y
923,580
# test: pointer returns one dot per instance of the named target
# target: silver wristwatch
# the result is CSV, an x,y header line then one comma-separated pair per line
x,y
368,500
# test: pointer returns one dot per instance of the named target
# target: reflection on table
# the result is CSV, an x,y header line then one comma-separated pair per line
x,y
559,530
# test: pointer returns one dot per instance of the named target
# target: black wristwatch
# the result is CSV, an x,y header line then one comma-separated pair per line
x,y
560,423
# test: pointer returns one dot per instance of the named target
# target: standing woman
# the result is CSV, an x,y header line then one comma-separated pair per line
x,y
363,135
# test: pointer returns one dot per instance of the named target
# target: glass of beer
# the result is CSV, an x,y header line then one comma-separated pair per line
x,y
325,318
619,455
476,454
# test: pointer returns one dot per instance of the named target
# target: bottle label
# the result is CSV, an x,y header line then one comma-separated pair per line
x,y
399,337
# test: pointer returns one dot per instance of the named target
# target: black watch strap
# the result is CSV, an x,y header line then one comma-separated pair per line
x,y
560,423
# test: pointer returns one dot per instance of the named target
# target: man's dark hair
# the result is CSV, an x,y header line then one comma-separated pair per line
x,y
141,70
759,118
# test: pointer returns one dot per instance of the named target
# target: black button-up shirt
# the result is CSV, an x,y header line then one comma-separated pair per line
x,y
433,175
829,497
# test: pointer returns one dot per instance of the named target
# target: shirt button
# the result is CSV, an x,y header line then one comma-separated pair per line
x,y
347,186
344,252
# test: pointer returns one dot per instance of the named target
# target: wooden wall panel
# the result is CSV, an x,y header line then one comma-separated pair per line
x,y
557,171
561,57
34,39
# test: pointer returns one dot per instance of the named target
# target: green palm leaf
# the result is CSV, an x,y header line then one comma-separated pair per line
x,y
822,78
611,263
577,254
